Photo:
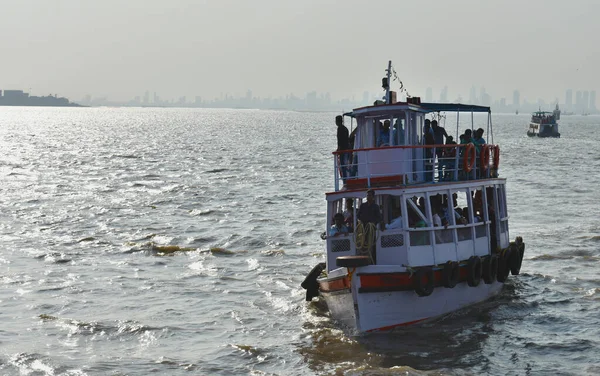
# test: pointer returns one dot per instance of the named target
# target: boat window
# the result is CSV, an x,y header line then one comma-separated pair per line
x,y
392,212
501,202
439,213
417,218
459,213
478,206
399,127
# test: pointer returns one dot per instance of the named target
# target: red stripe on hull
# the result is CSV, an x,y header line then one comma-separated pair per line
x,y
390,327
338,284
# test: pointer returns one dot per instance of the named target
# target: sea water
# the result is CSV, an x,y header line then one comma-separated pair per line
x,y
140,241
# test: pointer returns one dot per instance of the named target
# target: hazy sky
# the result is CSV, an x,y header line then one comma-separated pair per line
x,y
121,48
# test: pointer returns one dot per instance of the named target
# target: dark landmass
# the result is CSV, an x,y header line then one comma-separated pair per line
x,y
20,98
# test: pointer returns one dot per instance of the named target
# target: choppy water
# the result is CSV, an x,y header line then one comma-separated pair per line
x,y
172,241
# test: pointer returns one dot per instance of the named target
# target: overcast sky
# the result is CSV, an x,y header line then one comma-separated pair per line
x,y
121,48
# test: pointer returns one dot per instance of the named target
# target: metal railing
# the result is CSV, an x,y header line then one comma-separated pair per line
x,y
405,165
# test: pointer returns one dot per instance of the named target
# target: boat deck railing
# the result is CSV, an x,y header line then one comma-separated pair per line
x,y
410,165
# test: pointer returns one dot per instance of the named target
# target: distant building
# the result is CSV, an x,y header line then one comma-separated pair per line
x,y
516,99
473,95
428,95
578,102
444,95
585,100
593,101
569,100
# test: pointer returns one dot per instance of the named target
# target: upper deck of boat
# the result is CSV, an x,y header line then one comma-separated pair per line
x,y
393,145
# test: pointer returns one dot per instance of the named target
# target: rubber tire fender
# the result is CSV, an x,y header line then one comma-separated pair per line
x,y
490,269
474,271
450,274
503,265
423,281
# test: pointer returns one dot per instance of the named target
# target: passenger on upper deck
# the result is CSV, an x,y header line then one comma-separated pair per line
x,y
338,228
384,134
342,133
342,144
438,133
428,137
448,156
478,139
465,138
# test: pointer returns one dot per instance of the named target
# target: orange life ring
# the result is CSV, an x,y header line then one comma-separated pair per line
x,y
485,157
469,158
496,156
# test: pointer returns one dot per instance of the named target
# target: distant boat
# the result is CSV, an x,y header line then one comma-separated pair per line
x,y
543,124
516,112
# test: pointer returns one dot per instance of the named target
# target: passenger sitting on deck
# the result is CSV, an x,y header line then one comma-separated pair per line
x,y
397,221
338,228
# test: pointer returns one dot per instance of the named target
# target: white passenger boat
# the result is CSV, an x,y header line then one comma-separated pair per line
x,y
544,124
444,243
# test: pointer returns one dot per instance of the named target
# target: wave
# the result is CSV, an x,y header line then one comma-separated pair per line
x,y
547,257
215,170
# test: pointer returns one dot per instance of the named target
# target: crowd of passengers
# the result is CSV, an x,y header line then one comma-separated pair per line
x,y
370,213
433,134
544,119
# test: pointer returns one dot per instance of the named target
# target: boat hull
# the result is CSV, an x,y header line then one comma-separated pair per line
x,y
385,310
553,135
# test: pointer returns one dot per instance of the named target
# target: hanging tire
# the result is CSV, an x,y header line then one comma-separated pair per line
x,y
423,280
504,265
352,261
489,267
450,274
474,271
310,282
516,259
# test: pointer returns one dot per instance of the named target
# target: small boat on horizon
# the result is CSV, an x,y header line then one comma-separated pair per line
x,y
415,229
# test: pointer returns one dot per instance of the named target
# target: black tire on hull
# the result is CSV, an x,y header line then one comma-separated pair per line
x,y
518,250
423,280
310,282
450,274
504,265
474,271
489,267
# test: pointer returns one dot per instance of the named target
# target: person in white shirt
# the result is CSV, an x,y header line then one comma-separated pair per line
x,y
397,221
339,228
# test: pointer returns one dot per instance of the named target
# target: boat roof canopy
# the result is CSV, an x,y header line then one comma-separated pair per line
x,y
455,107
423,107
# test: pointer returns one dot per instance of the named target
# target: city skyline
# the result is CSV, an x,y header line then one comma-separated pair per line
x,y
584,101
204,48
